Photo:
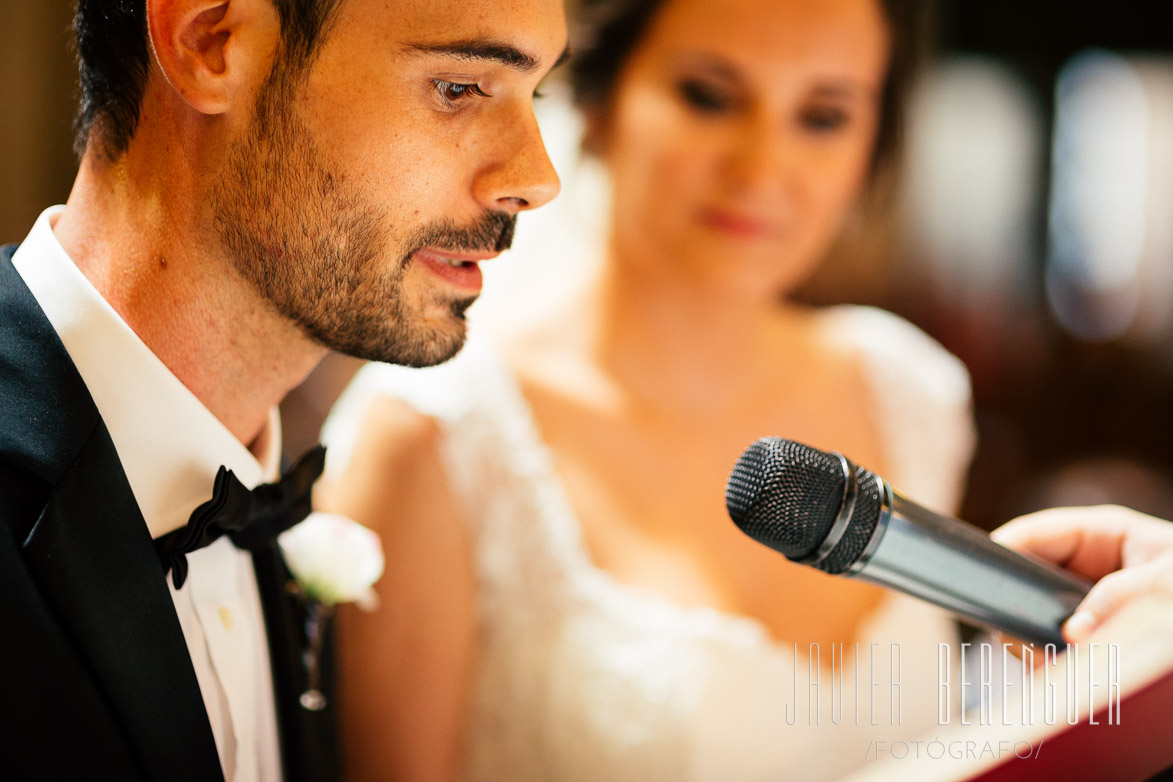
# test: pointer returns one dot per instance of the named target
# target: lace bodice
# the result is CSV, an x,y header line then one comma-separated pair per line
x,y
581,677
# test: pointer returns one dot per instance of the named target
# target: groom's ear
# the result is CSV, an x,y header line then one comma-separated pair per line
x,y
213,53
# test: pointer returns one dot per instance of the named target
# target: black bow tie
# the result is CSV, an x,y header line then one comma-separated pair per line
x,y
252,519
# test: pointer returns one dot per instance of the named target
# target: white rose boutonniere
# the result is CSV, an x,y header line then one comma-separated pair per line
x,y
333,560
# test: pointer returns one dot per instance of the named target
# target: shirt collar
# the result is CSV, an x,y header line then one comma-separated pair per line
x,y
170,445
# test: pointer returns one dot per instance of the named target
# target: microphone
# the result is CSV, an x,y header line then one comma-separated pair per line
x,y
821,510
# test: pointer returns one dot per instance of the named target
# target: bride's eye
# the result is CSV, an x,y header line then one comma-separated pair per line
x,y
704,97
824,119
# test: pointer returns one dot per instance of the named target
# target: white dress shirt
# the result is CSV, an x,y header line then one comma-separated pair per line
x,y
171,447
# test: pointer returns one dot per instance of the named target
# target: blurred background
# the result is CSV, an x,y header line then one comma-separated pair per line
x,y
1031,232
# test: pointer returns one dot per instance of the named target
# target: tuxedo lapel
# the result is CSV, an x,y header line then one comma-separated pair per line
x,y
89,551
309,744
94,560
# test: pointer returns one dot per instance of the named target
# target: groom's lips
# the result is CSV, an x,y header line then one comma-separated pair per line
x,y
460,269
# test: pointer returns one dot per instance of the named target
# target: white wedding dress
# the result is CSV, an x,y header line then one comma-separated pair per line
x,y
581,677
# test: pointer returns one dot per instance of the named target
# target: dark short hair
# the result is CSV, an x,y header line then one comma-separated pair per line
x,y
114,58
608,31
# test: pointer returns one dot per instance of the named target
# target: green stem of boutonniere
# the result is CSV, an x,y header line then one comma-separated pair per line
x,y
317,617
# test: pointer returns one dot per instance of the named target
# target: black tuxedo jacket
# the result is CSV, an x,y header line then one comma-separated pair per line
x,y
95,677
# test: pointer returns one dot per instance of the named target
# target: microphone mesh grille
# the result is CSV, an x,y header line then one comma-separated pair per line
x,y
785,495
864,517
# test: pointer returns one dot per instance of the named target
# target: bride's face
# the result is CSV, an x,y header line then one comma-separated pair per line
x,y
739,134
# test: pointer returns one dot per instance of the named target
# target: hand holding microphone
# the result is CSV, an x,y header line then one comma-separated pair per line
x,y
1127,553
821,510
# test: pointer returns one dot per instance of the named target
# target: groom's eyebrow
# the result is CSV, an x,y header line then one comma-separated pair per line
x,y
487,50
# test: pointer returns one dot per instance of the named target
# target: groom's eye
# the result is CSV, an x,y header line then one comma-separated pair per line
x,y
454,94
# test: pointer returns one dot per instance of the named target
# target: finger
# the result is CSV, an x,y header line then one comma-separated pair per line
x,y
1088,541
1092,541
1116,590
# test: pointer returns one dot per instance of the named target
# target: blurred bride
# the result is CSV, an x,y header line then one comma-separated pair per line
x,y
565,596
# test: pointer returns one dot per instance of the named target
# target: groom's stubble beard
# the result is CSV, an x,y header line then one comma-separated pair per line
x,y
323,253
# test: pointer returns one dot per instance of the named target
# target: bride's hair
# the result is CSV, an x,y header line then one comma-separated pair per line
x,y
606,32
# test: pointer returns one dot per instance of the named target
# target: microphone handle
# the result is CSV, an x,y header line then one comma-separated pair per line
x,y
956,566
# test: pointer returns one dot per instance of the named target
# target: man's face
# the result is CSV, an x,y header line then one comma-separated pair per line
x,y
367,186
